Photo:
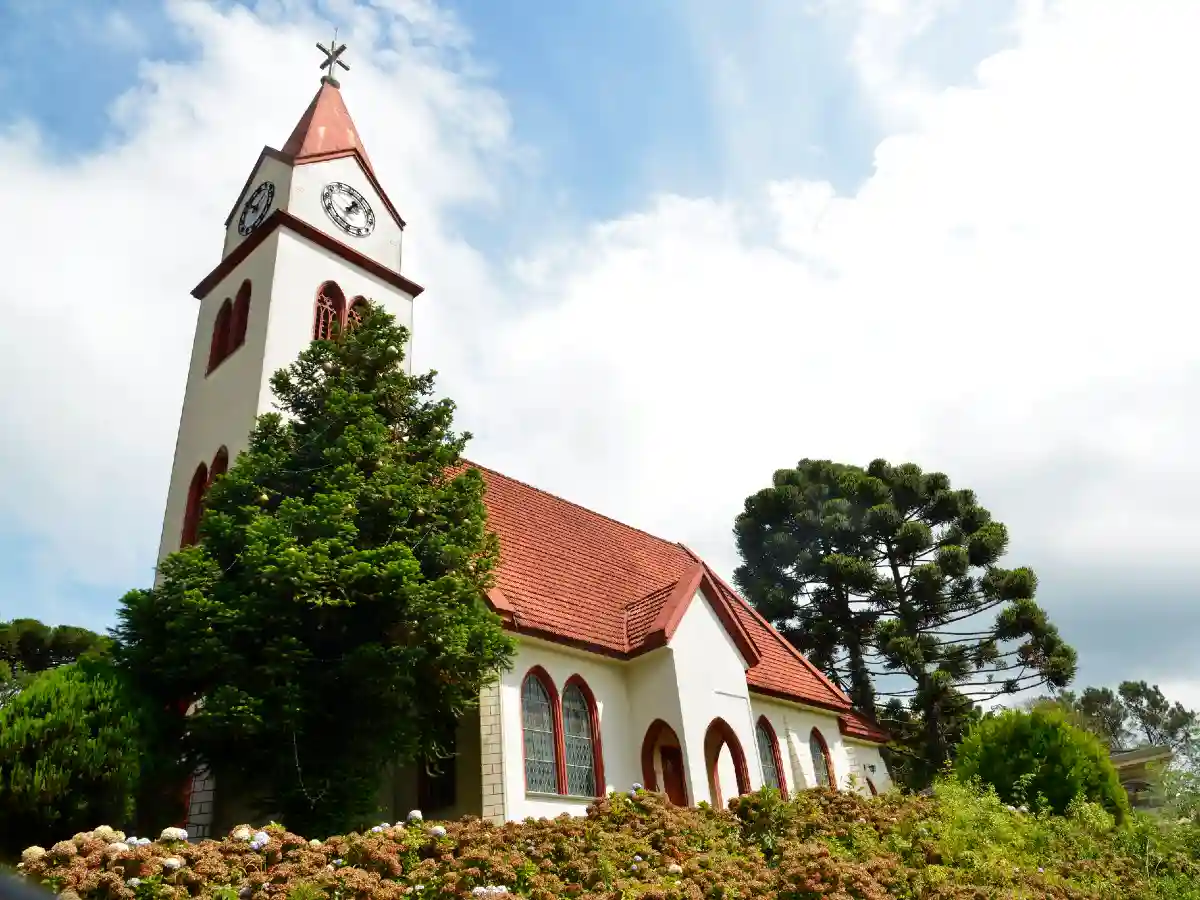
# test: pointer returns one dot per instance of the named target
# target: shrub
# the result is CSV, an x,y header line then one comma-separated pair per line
x,y
959,844
70,754
1039,758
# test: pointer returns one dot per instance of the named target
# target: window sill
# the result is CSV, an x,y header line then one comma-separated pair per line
x,y
570,798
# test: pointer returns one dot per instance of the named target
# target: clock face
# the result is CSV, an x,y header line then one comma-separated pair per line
x,y
256,208
348,209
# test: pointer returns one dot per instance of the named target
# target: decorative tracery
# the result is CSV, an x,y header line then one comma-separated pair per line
x,y
331,306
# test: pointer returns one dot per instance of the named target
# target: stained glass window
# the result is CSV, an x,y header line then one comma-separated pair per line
x,y
766,752
577,735
820,758
538,721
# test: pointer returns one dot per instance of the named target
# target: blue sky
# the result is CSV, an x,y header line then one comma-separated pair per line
x,y
633,217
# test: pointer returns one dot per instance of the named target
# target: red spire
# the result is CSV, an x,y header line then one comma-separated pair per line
x,y
325,131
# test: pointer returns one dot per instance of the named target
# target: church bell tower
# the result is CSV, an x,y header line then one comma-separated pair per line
x,y
311,235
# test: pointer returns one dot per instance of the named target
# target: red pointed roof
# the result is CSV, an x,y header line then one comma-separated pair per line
x,y
325,131
572,576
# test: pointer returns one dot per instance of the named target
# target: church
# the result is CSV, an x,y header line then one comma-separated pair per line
x,y
636,662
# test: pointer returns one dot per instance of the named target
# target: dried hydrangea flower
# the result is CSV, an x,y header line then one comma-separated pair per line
x,y
415,816
171,863
674,869
241,833
438,831
32,854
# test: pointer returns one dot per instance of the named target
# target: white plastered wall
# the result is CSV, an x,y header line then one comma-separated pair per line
x,y
608,683
710,676
793,726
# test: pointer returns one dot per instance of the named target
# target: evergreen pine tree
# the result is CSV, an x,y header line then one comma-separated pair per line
x,y
885,576
331,618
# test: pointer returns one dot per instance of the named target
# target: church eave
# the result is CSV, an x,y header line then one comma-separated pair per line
x,y
282,219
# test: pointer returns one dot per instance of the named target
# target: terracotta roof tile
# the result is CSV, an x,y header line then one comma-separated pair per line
x,y
570,574
856,725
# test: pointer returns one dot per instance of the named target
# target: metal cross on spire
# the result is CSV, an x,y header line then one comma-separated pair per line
x,y
332,61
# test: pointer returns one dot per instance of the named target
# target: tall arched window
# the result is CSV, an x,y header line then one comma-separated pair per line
x,y
538,722
331,306
241,316
822,764
218,349
220,465
581,740
768,752
358,309
195,502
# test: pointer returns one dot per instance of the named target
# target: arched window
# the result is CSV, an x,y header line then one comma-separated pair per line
x,y
220,465
822,764
358,309
581,740
195,502
218,349
241,316
768,752
538,722
331,306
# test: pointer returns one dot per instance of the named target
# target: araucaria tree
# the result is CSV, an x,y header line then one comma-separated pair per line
x,y
890,581
331,619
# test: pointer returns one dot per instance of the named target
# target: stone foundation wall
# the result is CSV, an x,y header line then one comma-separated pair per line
x,y
200,808
492,755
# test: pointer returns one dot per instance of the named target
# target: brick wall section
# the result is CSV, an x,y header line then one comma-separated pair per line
x,y
200,812
492,755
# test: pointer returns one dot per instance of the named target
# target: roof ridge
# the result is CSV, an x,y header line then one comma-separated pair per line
x,y
579,506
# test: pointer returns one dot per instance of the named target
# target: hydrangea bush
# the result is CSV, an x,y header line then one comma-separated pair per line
x,y
959,844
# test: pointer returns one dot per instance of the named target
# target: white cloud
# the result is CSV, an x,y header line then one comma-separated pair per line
x,y
1009,296
98,320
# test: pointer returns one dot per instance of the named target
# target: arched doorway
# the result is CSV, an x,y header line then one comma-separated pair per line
x,y
662,762
725,762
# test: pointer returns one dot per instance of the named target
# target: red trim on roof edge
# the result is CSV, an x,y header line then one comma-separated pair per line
x,y
673,611
787,645
283,218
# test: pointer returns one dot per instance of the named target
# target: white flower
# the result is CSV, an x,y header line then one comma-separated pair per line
x,y
377,829
32,854
134,882
142,842
1023,808
104,833
171,863
674,869
262,837
637,786
415,816
173,834
437,831
384,826
118,847
314,843
241,834
637,859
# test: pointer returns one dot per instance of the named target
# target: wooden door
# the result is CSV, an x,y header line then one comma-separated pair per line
x,y
672,769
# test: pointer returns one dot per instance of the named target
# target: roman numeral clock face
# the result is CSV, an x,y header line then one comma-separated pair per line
x,y
348,209
256,208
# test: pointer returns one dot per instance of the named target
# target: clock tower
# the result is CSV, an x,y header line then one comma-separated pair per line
x,y
311,234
